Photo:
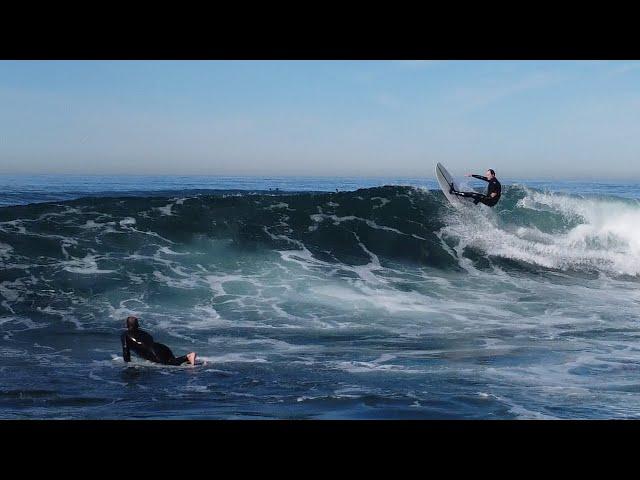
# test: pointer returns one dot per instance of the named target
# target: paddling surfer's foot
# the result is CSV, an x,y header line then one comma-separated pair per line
x,y
192,358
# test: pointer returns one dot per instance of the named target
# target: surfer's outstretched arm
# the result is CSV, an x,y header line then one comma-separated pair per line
x,y
480,177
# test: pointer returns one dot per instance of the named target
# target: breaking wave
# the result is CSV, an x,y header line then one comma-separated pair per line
x,y
55,256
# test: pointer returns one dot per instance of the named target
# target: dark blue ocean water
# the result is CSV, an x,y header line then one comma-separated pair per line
x,y
319,298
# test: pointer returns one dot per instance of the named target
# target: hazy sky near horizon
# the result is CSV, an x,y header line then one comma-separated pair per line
x,y
526,119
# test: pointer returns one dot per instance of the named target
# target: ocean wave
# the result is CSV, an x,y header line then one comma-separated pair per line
x,y
97,254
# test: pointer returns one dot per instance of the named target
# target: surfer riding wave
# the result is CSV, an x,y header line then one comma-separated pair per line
x,y
494,189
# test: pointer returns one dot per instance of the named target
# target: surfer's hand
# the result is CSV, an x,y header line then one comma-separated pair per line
x,y
468,175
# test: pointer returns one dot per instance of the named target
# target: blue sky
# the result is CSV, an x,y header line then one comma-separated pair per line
x,y
526,119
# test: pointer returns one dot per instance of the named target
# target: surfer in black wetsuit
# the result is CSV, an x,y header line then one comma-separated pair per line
x,y
136,339
494,190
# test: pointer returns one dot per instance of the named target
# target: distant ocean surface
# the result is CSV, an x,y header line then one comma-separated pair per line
x,y
23,189
319,298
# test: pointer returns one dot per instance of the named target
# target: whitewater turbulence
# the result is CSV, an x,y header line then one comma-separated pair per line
x,y
557,231
382,302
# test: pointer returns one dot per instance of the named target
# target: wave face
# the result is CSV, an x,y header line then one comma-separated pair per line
x,y
357,301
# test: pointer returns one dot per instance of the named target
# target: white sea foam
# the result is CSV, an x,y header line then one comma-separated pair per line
x,y
383,201
85,266
182,283
276,206
168,251
91,224
166,210
606,238
320,217
374,366
5,251
234,358
11,291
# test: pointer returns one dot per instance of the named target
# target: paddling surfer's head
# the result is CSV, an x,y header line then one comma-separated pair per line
x,y
132,323
490,174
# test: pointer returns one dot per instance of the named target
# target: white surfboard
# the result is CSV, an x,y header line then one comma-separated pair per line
x,y
446,181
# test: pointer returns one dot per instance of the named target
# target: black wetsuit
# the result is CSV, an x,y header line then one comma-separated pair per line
x,y
142,343
493,187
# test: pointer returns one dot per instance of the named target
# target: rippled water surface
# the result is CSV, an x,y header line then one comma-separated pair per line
x,y
325,298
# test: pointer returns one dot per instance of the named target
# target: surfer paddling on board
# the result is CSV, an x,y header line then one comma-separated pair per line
x,y
136,339
494,189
